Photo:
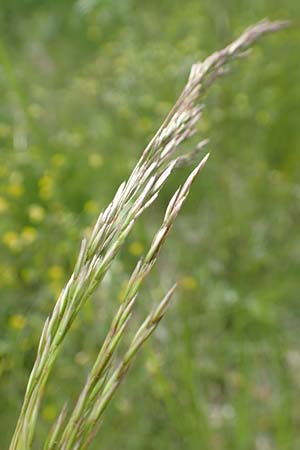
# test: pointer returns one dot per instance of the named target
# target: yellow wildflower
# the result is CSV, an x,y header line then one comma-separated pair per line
x,y
55,273
15,189
58,159
29,234
12,240
91,206
136,248
188,283
49,412
17,322
46,187
36,213
95,160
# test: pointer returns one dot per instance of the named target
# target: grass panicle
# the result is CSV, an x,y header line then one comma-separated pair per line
x,y
98,251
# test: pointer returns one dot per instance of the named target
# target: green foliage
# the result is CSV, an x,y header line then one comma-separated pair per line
x,y
83,86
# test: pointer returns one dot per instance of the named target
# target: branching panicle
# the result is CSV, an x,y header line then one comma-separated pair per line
x,y
97,252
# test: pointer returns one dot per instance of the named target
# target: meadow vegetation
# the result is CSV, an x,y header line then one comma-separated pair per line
x,y
84,85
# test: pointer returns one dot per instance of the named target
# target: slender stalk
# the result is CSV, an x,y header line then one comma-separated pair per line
x,y
115,223
94,388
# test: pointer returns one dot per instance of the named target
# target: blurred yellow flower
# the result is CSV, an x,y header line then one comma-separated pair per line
x,y
17,322
15,189
49,412
188,283
46,187
136,248
28,234
58,159
3,205
11,240
36,213
95,160
55,273
91,206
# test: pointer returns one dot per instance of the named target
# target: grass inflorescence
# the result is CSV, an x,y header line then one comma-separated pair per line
x,y
76,429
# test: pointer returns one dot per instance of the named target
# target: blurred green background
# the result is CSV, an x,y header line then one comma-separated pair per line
x,y
84,85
